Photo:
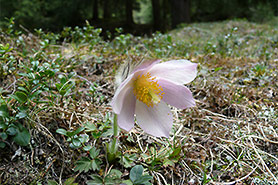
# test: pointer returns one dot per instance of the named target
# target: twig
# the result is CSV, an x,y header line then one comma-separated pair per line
x,y
49,134
264,139
138,141
184,163
262,161
211,166
213,113
165,182
234,182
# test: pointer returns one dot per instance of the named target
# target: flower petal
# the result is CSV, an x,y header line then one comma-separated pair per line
x,y
146,64
177,71
121,92
176,95
126,116
117,101
156,120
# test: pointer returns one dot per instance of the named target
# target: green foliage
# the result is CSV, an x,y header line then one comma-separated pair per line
x,y
165,156
7,65
85,164
143,15
69,181
33,88
259,70
11,127
111,178
137,177
76,139
127,160
95,132
9,26
21,134
66,84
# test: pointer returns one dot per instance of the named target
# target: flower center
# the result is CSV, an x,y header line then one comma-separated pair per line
x,y
147,90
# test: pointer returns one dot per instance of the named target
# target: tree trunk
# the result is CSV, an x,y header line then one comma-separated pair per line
x,y
128,11
95,10
186,17
156,14
107,9
166,11
180,12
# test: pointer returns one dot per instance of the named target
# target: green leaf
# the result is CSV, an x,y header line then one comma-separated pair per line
x,y
24,74
128,160
217,69
23,108
35,64
127,182
12,130
4,111
77,131
58,86
87,148
35,94
61,131
3,125
21,96
136,173
65,86
3,135
168,162
97,180
90,127
115,174
95,164
2,144
22,137
52,182
94,153
169,38
176,152
143,179
49,73
76,142
23,89
70,181
84,164
36,81
63,80
70,133
21,115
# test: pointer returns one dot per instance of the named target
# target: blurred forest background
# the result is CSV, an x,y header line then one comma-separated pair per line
x,y
135,16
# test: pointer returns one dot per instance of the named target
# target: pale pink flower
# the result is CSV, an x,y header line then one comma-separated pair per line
x,y
146,92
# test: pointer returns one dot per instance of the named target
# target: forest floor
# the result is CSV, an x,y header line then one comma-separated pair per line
x,y
55,117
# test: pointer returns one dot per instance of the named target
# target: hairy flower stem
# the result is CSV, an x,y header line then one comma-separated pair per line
x,y
112,148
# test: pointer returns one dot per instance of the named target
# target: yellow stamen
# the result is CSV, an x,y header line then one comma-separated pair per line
x,y
147,90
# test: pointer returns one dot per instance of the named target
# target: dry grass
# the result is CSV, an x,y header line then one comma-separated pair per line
x,y
230,137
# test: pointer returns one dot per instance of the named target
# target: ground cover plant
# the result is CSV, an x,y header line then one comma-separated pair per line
x,y
56,120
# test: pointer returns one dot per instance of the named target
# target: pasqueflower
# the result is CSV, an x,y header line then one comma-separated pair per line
x,y
146,91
